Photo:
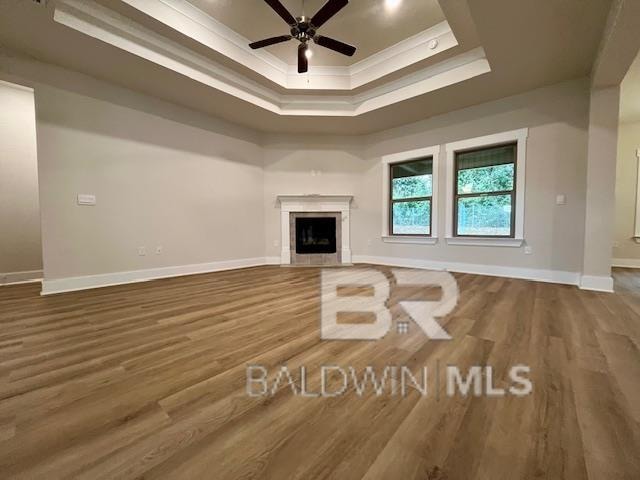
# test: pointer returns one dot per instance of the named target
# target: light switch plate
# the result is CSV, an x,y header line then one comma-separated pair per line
x,y
561,199
86,199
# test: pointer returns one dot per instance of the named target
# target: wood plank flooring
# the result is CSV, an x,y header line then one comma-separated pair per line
x,y
149,381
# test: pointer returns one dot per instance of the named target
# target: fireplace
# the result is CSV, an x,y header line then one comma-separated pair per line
x,y
315,229
315,235
314,238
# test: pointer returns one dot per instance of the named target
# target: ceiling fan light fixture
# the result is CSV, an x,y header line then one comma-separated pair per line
x,y
305,30
392,4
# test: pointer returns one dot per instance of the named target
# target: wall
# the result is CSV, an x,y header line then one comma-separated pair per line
x,y
20,246
164,176
557,118
205,190
604,112
194,192
626,251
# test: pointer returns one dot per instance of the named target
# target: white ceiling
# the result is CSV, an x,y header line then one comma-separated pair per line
x,y
365,24
528,44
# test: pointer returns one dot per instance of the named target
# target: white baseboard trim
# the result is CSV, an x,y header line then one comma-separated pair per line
x,y
596,283
538,275
72,284
626,262
14,278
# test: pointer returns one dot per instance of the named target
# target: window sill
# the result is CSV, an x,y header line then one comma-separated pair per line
x,y
409,239
485,242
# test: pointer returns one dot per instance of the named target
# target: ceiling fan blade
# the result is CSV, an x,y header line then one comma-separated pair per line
x,y
335,45
327,11
282,11
270,41
303,62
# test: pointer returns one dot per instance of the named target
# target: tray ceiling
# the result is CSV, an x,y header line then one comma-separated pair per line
x,y
169,49
368,25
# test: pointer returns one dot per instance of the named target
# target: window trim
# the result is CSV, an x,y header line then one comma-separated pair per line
x,y
404,157
519,137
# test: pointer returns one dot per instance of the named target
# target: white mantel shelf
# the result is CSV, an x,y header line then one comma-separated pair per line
x,y
314,203
315,197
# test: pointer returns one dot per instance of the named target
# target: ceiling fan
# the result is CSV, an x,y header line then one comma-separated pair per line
x,y
304,29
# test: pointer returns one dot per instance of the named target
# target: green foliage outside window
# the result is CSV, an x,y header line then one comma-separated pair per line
x,y
412,218
497,178
485,214
412,187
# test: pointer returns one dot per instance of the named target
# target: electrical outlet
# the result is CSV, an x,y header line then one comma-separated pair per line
x,y
142,251
276,243
528,250
158,249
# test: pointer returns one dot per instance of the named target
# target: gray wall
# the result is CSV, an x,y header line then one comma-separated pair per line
x,y
163,176
20,246
557,118
206,190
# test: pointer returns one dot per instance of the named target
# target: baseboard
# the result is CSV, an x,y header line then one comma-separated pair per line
x,y
626,262
538,275
72,284
596,283
14,278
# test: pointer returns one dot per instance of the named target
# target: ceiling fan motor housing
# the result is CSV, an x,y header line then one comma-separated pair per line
x,y
304,30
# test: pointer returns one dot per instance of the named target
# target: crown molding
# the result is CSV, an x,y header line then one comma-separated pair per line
x,y
184,17
115,29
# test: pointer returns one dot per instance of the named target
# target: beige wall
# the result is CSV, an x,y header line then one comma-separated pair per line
x,y
600,196
163,176
557,118
20,247
625,248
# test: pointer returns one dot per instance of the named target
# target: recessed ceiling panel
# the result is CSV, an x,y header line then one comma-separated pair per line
x,y
369,25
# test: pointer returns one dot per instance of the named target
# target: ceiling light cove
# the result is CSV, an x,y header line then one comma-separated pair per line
x,y
392,4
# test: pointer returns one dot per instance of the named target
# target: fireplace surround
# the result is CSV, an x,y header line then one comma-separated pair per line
x,y
308,223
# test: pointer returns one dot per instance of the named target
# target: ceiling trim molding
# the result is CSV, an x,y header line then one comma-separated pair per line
x,y
115,29
206,30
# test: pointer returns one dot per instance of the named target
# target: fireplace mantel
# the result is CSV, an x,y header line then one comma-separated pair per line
x,y
314,203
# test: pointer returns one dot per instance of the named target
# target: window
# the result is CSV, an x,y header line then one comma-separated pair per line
x,y
485,193
410,196
486,190
411,190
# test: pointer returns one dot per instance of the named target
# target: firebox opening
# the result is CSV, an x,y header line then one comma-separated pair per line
x,y
315,235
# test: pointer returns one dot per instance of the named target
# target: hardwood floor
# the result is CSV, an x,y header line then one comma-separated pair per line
x,y
149,381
